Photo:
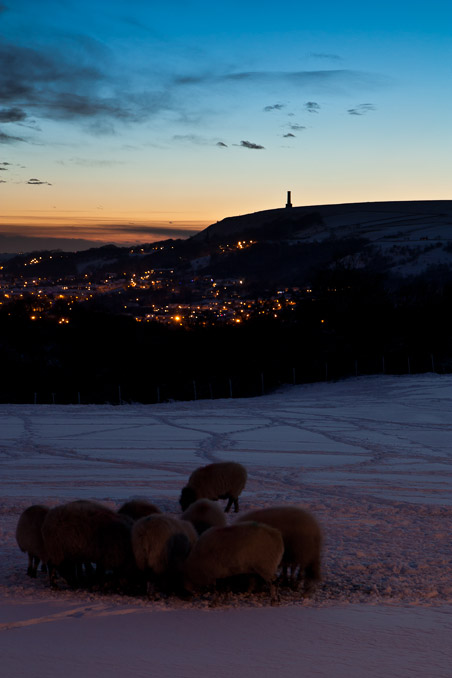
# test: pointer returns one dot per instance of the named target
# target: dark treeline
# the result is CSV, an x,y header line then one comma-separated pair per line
x,y
356,323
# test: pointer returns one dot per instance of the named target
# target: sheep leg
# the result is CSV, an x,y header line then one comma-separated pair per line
x,y
274,593
52,575
284,574
229,504
30,565
311,576
36,562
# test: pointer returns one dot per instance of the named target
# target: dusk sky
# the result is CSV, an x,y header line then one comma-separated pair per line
x,y
131,121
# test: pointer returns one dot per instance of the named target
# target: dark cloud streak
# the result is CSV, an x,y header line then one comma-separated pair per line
x,y
312,107
71,84
12,115
275,107
249,144
361,109
38,182
9,138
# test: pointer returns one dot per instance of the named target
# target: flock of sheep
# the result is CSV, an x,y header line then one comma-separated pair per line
x,y
140,548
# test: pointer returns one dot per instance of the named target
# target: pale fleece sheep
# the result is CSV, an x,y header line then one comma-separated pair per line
x,y
204,513
81,532
29,537
160,543
245,548
221,480
302,541
138,508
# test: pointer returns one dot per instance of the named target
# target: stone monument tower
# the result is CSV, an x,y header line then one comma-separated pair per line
x,y
288,204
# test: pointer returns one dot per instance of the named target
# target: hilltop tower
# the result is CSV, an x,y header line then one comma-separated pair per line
x,y
288,204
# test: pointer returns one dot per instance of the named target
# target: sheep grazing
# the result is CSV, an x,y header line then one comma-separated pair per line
x,y
29,537
204,513
138,508
160,545
302,541
222,480
83,532
245,548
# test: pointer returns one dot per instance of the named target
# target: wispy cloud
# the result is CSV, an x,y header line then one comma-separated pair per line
x,y
325,55
249,144
73,83
198,140
12,114
275,107
361,109
9,138
89,162
312,107
297,128
192,139
332,80
38,182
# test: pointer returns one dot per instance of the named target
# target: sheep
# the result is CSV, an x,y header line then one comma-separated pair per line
x,y
83,532
204,513
138,508
160,543
245,548
29,537
302,541
221,480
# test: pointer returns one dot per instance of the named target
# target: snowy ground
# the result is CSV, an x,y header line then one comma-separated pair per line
x,y
370,457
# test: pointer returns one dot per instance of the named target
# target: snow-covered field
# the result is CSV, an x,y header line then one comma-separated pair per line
x,y
370,457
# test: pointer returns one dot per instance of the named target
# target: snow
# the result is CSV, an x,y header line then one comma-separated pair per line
x,y
370,457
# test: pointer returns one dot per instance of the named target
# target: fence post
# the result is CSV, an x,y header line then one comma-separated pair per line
x,y
409,365
230,387
294,377
383,363
158,394
262,384
53,398
194,389
326,371
356,368
35,399
433,362
79,400
119,395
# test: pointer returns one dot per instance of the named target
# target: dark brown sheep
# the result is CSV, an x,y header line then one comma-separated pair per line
x,y
204,513
138,508
245,548
302,541
221,480
160,545
83,532
29,537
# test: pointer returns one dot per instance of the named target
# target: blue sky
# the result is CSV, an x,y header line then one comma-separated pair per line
x,y
129,121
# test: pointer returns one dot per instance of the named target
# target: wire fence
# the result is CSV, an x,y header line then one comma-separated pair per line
x,y
250,383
